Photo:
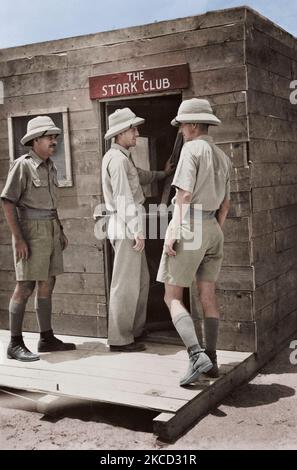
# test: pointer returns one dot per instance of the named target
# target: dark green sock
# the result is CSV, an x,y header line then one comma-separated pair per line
x,y
44,313
211,329
16,317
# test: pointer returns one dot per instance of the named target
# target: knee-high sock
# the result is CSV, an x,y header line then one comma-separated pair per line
x,y
16,317
44,313
185,328
211,328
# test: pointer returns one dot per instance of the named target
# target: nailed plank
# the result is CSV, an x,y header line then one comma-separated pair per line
x,y
236,278
283,217
237,254
286,305
236,229
269,105
47,81
286,282
238,336
85,185
33,64
261,223
63,304
77,206
169,427
260,53
275,265
139,63
265,174
237,152
67,283
263,246
201,39
273,197
263,24
210,82
80,231
208,20
83,259
64,324
289,173
270,128
5,234
228,98
80,283
136,388
92,391
81,120
86,163
240,204
231,130
268,151
6,257
233,305
285,239
7,280
268,82
75,100
267,317
84,140
265,295
287,328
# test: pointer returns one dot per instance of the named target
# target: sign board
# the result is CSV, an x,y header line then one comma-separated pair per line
x,y
139,82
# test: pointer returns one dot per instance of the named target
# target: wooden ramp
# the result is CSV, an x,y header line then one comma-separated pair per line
x,y
147,380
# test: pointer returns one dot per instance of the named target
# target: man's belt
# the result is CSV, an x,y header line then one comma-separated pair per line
x,y
37,214
196,213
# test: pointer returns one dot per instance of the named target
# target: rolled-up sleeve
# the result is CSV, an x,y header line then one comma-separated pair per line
x,y
186,171
16,183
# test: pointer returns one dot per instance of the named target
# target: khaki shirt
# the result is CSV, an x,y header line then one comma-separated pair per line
x,y
120,180
32,183
204,170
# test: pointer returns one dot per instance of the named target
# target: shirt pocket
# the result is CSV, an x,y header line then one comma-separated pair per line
x,y
56,182
39,183
133,178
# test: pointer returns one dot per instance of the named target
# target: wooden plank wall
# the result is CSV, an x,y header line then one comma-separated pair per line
x,y
56,73
271,56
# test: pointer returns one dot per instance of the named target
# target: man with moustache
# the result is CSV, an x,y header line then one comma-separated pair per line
x,y
29,201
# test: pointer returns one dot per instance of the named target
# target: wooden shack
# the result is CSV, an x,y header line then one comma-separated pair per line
x,y
242,63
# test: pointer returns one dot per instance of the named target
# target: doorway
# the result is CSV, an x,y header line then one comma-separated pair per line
x,y
154,147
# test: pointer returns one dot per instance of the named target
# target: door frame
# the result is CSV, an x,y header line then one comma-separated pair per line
x,y
103,147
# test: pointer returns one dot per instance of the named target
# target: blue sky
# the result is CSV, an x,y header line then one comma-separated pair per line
x,y
29,21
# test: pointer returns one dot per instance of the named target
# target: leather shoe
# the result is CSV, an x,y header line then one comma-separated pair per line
x,y
19,352
132,347
54,344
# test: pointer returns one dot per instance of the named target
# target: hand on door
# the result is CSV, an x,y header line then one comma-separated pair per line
x,y
169,167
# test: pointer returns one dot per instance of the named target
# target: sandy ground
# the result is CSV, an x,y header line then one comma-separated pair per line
x,y
259,415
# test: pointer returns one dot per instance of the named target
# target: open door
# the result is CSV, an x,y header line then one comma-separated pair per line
x,y
154,147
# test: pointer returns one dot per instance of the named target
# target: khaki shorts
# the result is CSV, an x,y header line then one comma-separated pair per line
x,y
45,251
190,261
